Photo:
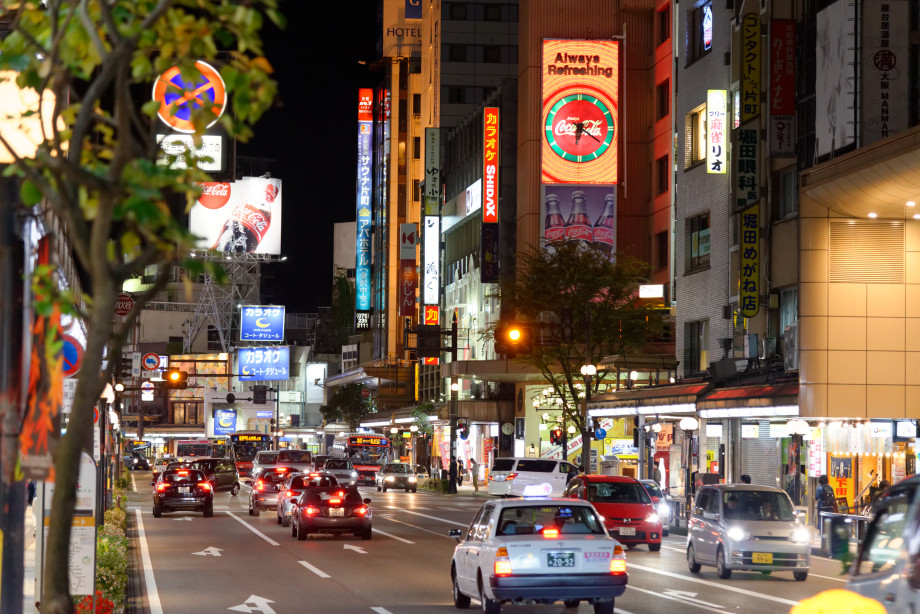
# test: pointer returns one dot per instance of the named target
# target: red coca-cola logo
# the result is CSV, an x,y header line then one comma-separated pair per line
x,y
589,137
214,195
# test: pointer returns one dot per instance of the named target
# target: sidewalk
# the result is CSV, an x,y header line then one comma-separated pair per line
x,y
28,584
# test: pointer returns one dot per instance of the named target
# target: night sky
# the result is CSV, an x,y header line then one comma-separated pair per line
x,y
311,136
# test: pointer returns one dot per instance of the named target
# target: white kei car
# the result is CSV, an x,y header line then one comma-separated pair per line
x,y
537,550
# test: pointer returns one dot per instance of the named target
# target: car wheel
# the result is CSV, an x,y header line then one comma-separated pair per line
x,y
302,532
378,488
285,521
691,560
766,572
571,603
407,489
603,607
157,512
235,490
367,534
724,572
415,489
293,529
278,516
461,601
665,533
252,510
800,576
384,488
208,510
488,605
654,547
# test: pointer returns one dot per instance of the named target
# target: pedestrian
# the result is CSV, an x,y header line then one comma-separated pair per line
x,y
30,489
460,472
824,500
452,474
474,470
745,479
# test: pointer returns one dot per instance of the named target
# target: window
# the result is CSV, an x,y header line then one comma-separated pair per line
x,y
417,104
884,544
698,235
416,147
491,54
458,11
664,24
696,346
661,249
664,99
788,307
699,37
416,190
787,194
456,95
456,53
493,12
663,174
695,136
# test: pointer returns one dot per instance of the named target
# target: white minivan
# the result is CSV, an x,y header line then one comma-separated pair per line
x,y
510,475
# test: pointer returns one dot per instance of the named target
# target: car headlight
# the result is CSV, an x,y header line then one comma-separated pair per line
x,y
354,475
412,479
653,517
800,535
737,534
390,478
663,509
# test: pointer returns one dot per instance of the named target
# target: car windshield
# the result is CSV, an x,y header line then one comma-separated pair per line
x,y
184,475
302,482
617,492
653,489
757,505
567,519
273,476
295,456
397,469
337,464
266,458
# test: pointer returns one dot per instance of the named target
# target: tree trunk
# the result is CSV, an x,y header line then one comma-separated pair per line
x,y
586,450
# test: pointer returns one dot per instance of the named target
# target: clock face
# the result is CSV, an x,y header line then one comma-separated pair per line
x,y
579,128
507,428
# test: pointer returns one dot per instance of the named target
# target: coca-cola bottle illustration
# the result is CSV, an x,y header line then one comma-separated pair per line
x,y
554,229
247,224
605,228
578,226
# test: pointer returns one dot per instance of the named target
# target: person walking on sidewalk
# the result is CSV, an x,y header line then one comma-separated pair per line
x,y
460,472
474,470
824,500
452,474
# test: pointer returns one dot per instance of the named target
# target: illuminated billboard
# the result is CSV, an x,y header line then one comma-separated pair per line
x,y
490,163
580,213
580,111
363,201
261,323
264,363
242,216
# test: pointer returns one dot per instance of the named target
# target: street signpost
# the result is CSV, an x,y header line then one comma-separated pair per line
x,y
124,303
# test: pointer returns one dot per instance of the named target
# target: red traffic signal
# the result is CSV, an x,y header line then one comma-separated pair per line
x,y
555,437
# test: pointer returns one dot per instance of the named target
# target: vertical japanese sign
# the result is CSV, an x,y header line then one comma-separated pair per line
x,y
747,182
490,165
408,276
431,290
782,88
431,317
749,292
715,120
432,170
364,189
750,66
885,37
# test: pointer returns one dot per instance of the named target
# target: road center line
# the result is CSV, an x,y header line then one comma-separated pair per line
x,y
405,541
253,529
726,587
380,610
677,599
317,571
414,526
153,596
459,524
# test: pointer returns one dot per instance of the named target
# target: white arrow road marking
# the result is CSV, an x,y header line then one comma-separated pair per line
x,y
211,551
357,549
153,596
189,518
459,524
400,539
677,596
723,586
253,529
258,604
619,611
381,610
316,570
688,596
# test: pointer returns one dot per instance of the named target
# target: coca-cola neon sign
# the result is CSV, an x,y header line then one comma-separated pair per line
x,y
579,128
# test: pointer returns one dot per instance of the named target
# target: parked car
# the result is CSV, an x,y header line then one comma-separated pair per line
x,y
511,475
396,475
885,567
262,461
299,460
662,506
627,509
221,473
748,528
331,510
537,549
265,489
182,489
342,469
294,486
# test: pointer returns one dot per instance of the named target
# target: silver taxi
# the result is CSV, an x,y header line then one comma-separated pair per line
x,y
538,550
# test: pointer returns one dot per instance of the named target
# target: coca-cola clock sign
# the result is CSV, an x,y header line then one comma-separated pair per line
x,y
579,128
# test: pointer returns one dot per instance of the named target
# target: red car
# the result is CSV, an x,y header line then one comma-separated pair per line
x,y
628,511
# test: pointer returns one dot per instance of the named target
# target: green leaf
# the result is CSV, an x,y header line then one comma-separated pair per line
x,y
30,194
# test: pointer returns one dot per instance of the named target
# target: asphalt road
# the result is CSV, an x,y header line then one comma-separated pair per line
x,y
238,563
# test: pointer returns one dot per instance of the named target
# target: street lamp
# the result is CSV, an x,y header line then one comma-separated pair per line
x,y
454,389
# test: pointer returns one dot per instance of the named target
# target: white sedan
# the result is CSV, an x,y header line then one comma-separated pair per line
x,y
537,550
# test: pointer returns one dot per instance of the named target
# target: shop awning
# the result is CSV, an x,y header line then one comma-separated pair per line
x,y
670,399
754,401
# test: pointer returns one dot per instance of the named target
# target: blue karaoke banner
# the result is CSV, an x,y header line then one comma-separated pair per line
x,y
269,363
261,323
224,421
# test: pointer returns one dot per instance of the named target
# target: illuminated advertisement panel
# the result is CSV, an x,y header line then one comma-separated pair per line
x,y
264,364
432,316
261,323
363,231
243,216
432,170
580,111
579,213
490,165
431,280
715,121
224,421
408,283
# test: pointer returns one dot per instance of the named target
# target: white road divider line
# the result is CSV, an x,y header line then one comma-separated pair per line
x,y
677,599
253,529
391,519
619,611
814,575
400,539
718,585
380,610
316,570
459,524
153,596
133,483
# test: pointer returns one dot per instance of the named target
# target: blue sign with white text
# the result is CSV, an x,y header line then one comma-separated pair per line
x,y
224,421
261,323
268,363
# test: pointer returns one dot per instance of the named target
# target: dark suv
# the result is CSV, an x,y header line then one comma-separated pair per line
x,y
221,473
182,489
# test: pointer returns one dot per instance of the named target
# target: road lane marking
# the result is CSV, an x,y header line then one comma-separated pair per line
x,y
316,570
253,529
691,602
827,577
153,596
380,610
405,541
133,483
459,524
726,587
357,549
391,519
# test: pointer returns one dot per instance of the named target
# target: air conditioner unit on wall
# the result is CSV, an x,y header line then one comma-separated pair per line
x,y
791,347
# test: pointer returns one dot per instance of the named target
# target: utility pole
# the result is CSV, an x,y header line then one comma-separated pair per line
x,y
454,391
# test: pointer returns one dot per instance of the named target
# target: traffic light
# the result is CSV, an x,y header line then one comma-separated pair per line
x,y
259,394
513,338
555,437
176,379
462,429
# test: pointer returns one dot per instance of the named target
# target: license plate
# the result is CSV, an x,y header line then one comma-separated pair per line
x,y
183,490
336,511
560,559
762,558
627,531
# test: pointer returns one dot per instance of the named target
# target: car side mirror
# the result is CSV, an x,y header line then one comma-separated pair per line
x,y
455,533
367,501
710,516
152,483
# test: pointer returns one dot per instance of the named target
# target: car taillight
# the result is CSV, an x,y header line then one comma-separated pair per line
x,y
618,562
551,533
162,486
361,510
182,472
311,511
334,501
314,475
510,476
289,493
502,565
204,485
260,485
